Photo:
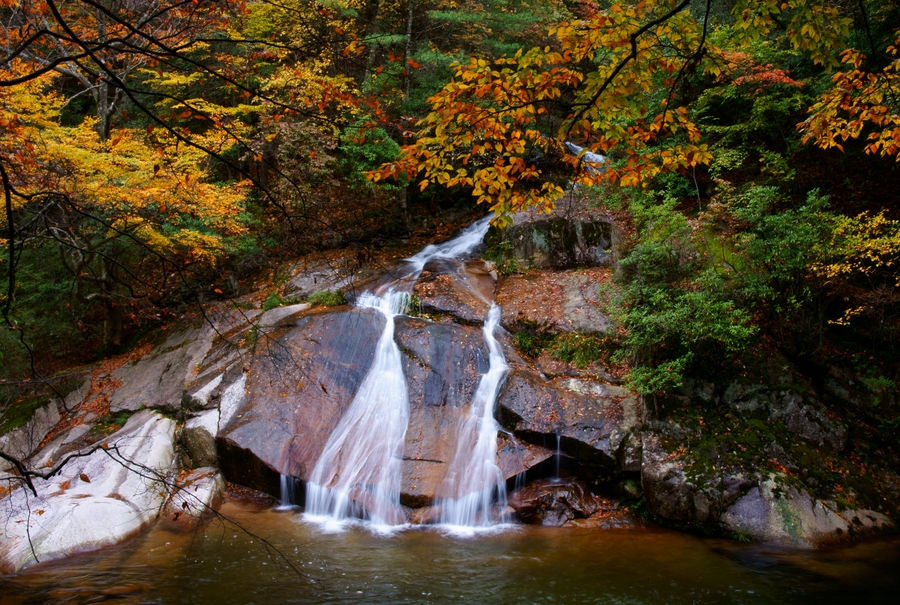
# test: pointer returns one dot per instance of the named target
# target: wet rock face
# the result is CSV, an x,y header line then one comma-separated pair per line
x,y
673,496
557,243
597,423
460,289
554,502
442,364
302,381
299,384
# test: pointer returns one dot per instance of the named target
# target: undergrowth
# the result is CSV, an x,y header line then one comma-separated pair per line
x,y
327,298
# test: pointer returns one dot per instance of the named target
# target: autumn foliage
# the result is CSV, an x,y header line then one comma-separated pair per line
x,y
160,148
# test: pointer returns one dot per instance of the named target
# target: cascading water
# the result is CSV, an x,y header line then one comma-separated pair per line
x,y
288,488
473,477
358,474
558,456
465,242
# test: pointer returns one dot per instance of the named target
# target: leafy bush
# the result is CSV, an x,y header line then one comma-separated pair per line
x,y
272,301
675,308
529,343
276,300
501,255
327,298
578,348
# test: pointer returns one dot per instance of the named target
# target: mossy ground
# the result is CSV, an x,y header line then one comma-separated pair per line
x,y
716,439
18,402
577,348
18,413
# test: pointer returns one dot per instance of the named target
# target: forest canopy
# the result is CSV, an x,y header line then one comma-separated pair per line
x,y
155,152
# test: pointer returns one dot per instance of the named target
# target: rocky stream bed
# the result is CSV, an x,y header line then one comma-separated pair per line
x,y
248,396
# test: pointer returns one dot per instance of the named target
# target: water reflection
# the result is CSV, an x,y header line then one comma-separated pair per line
x,y
524,565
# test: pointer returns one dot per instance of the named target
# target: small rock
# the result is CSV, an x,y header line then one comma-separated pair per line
x,y
554,502
200,446
193,499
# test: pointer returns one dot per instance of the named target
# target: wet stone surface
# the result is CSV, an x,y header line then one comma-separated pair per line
x,y
302,381
554,502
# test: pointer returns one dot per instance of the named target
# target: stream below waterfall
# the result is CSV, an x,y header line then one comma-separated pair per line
x,y
223,565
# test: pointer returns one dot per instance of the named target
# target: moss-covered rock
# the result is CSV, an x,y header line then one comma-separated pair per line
x,y
777,512
554,243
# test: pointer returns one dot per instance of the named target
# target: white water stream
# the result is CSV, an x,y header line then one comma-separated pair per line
x,y
358,474
474,476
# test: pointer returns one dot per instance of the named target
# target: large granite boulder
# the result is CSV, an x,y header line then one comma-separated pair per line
x,y
777,512
597,423
184,370
678,496
158,379
337,272
556,242
94,501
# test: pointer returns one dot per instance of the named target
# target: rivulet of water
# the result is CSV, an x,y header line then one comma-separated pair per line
x,y
464,243
474,483
358,473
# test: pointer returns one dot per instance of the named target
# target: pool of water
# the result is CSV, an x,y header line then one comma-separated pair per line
x,y
266,556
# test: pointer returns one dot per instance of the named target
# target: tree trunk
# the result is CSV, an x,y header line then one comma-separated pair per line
x,y
406,70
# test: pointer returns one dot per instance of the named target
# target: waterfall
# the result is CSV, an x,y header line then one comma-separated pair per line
x,y
358,474
288,488
474,480
462,244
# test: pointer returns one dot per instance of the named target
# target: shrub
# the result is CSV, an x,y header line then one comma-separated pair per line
x,y
327,298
